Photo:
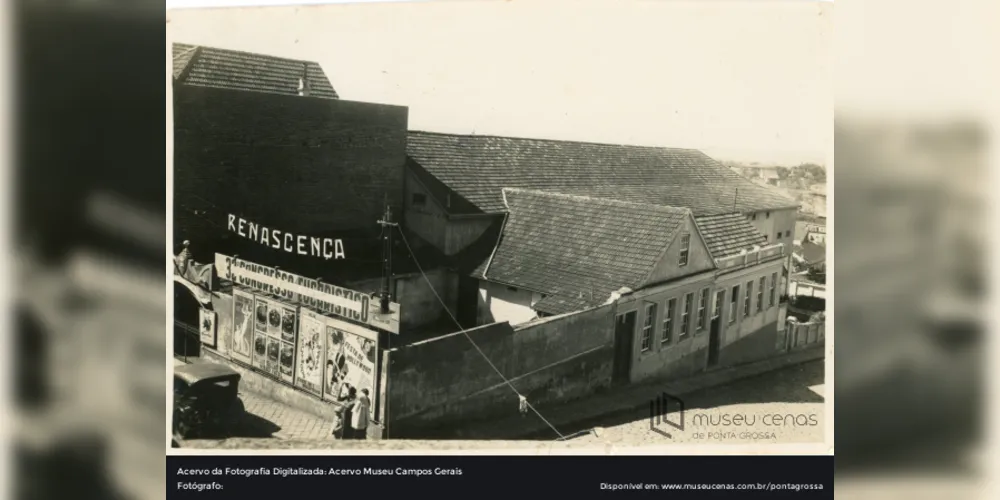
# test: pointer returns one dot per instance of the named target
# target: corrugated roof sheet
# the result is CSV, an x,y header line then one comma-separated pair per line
x,y
231,69
578,250
728,234
478,167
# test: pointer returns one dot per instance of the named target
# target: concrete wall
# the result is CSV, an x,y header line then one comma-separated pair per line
x,y
680,357
332,163
499,303
769,222
463,231
417,304
427,219
436,385
752,337
430,220
698,257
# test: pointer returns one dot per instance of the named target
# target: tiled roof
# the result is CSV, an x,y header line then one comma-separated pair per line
x,y
478,167
728,234
578,250
230,69
559,304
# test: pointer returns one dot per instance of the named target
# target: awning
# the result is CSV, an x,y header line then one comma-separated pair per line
x,y
203,296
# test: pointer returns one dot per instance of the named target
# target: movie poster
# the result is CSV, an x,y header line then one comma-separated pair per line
x,y
269,317
287,362
350,362
273,353
243,318
260,351
207,326
311,352
288,324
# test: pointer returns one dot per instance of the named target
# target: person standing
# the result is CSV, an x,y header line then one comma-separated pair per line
x,y
347,401
359,415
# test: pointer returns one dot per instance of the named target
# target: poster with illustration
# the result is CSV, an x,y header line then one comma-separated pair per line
x,y
206,321
273,353
268,317
350,362
288,324
311,353
287,362
260,351
260,315
243,317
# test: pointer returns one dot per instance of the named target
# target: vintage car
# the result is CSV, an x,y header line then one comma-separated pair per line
x,y
206,399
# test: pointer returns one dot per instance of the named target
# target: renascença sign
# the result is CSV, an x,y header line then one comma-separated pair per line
x,y
322,297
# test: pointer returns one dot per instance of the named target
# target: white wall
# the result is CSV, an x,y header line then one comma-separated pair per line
x,y
501,303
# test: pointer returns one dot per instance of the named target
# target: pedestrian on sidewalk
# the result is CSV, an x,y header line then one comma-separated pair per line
x,y
344,429
359,415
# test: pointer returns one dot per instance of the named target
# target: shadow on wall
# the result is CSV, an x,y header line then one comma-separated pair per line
x,y
485,316
438,385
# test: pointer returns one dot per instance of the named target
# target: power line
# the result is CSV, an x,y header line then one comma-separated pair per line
x,y
476,346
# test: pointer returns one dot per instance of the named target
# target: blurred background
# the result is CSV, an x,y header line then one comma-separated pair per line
x,y
911,188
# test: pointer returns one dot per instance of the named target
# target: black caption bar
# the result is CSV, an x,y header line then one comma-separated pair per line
x,y
246,477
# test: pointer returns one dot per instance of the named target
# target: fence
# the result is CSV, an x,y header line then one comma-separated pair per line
x,y
800,335
751,258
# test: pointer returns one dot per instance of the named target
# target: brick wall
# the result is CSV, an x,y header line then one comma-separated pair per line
x,y
300,164
437,385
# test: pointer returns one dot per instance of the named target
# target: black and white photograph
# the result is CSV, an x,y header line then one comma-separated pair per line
x,y
480,225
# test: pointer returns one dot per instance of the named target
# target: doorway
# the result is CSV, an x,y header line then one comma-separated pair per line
x,y
624,337
715,329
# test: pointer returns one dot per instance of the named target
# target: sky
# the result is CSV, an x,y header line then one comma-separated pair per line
x,y
743,81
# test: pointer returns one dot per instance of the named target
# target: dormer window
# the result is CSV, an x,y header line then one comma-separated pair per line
x,y
685,249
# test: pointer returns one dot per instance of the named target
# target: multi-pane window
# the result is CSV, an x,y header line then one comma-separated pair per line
x,y
703,309
746,299
686,315
668,321
720,296
685,249
760,293
647,326
733,298
774,286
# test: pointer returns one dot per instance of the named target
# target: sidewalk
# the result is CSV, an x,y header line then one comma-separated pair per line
x,y
626,399
264,418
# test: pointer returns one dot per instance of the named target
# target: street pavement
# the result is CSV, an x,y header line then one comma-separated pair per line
x,y
783,406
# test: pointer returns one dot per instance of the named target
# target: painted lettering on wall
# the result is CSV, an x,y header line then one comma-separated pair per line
x,y
327,248
321,297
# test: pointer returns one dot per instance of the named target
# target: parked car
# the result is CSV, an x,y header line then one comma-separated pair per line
x,y
206,398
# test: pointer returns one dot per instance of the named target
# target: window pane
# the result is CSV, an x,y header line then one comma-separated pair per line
x,y
668,321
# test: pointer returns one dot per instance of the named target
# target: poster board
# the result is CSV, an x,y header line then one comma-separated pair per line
x,y
275,329
310,352
206,322
351,356
242,346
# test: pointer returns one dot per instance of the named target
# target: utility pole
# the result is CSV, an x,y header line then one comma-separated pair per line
x,y
387,228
